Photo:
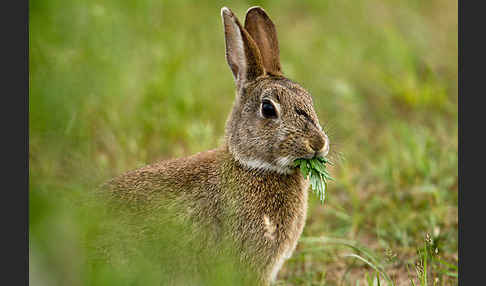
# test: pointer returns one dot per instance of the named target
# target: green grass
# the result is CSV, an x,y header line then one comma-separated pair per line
x,y
315,170
115,85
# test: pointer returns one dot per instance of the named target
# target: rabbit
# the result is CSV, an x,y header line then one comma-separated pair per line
x,y
247,189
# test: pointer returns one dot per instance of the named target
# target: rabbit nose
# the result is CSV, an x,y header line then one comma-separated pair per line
x,y
320,145
317,144
323,152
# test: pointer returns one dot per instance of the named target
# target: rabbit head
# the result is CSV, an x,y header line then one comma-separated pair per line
x,y
273,121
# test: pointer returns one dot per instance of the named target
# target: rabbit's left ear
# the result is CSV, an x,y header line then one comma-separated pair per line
x,y
263,31
242,52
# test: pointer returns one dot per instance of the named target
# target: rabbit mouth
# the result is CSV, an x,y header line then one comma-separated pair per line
x,y
320,153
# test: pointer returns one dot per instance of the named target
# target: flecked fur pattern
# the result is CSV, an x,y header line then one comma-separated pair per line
x,y
246,189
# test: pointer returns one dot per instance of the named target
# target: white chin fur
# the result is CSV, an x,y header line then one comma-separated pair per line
x,y
257,164
284,162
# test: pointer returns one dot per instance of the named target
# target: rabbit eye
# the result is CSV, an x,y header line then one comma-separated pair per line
x,y
268,109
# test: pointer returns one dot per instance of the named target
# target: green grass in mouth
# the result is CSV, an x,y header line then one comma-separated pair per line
x,y
315,170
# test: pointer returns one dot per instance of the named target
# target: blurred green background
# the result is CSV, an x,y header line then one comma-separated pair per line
x,y
115,85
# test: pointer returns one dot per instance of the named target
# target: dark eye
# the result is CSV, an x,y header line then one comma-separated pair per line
x,y
268,109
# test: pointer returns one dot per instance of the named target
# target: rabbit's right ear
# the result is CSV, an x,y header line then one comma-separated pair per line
x,y
263,31
242,53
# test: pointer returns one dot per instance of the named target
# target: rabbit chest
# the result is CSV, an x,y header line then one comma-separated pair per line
x,y
269,216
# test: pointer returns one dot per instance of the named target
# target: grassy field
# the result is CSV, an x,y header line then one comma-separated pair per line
x,y
115,85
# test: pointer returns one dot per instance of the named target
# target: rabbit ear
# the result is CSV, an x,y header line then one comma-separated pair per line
x,y
262,30
242,53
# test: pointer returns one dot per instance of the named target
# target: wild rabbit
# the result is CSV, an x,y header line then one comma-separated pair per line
x,y
247,189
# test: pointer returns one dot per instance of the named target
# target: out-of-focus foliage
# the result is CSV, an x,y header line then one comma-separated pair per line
x,y
115,85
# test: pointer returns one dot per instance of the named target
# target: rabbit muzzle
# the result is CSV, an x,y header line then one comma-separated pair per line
x,y
318,145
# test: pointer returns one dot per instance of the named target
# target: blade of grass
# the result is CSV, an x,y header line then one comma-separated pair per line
x,y
369,264
353,246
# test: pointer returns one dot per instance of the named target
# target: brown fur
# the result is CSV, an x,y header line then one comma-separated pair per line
x,y
247,189
263,31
